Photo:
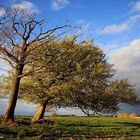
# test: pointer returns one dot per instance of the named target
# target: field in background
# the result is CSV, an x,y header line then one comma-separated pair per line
x,y
74,128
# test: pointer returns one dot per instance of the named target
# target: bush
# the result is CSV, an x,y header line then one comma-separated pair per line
x,y
123,115
119,115
133,115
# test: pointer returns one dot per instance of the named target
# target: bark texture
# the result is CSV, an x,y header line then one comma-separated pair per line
x,y
40,111
10,108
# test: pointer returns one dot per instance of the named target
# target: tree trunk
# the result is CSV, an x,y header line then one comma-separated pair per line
x,y
40,111
10,108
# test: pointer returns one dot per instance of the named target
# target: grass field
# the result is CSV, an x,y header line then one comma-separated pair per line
x,y
74,128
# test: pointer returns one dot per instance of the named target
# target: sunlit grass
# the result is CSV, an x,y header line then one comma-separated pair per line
x,y
74,127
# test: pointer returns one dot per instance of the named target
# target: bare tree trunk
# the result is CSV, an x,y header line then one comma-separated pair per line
x,y
10,108
40,111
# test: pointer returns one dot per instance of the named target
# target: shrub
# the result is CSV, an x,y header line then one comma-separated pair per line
x,y
123,115
119,115
133,115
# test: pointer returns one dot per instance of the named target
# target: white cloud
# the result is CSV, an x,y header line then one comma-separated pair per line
x,y
124,26
2,11
136,6
121,27
115,28
25,6
4,67
135,43
134,18
59,4
127,62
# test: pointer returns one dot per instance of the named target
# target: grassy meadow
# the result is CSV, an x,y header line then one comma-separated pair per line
x,y
74,128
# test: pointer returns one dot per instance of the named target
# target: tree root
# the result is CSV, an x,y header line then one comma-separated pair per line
x,y
44,121
11,123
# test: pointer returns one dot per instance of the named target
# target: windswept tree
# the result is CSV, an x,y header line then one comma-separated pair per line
x,y
60,67
108,100
92,89
20,34
74,75
68,65
95,97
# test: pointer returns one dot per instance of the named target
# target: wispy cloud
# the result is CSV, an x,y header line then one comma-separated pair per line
x,y
136,6
120,27
115,28
128,24
59,4
2,11
25,6
134,18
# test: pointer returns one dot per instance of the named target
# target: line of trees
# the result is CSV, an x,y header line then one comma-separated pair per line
x,y
57,72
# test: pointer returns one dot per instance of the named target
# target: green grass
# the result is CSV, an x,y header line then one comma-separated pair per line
x,y
77,128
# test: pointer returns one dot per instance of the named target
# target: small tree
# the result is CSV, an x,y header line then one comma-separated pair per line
x,y
21,34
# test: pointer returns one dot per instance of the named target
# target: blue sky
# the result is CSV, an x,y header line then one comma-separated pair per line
x,y
108,22
111,23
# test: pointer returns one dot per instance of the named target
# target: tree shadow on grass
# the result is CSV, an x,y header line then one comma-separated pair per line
x,y
130,124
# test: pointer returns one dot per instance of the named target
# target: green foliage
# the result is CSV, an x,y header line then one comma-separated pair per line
x,y
124,91
65,64
3,86
74,74
102,96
